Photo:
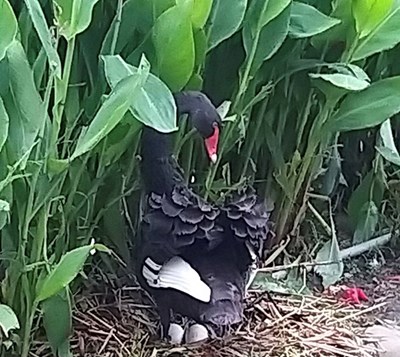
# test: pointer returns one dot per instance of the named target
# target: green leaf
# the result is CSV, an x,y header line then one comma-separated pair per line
x,y
225,19
56,166
200,41
273,10
332,175
389,155
73,16
4,206
153,104
24,105
307,21
344,81
8,319
6,197
174,45
112,110
330,252
293,284
4,122
121,138
266,45
369,13
341,32
57,320
8,27
371,188
201,11
387,148
102,248
367,223
39,21
369,107
383,37
70,265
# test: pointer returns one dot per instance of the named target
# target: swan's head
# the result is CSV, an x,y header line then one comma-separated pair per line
x,y
204,118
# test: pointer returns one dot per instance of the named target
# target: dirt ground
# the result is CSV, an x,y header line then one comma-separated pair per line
x,y
378,274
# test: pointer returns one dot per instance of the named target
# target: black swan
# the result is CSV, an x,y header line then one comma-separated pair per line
x,y
193,257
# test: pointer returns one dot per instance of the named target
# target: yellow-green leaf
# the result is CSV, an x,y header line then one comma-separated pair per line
x,y
369,13
8,27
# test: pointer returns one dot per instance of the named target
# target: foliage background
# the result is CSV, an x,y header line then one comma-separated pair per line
x,y
309,91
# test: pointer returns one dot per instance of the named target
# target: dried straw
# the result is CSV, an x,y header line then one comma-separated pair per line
x,y
120,322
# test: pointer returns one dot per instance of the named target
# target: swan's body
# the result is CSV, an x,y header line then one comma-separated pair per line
x,y
194,257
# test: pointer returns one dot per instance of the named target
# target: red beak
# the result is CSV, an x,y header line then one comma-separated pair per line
x,y
212,145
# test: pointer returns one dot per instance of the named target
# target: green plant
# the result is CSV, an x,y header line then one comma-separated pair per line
x,y
79,78
56,158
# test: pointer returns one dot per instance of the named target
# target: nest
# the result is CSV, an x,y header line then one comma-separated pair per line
x,y
121,322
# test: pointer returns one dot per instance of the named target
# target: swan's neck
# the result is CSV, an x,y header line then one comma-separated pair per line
x,y
158,165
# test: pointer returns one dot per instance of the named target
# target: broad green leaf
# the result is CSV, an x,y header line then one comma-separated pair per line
x,y
57,320
225,19
369,13
344,81
307,21
201,11
330,252
342,32
8,27
4,122
153,104
261,12
43,31
367,222
273,10
24,105
369,107
39,67
70,265
174,45
195,82
331,177
383,37
371,188
111,112
359,72
387,147
73,16
126,28
266,45
56,166
389,155
137,15
8,319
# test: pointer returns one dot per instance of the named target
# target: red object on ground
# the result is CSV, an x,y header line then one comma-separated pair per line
x,y
354,295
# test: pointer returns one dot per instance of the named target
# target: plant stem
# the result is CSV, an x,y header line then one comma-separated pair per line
x,y
250,147
117,27
27,331
249,64
60,93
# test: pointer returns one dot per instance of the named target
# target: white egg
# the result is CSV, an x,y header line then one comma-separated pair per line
x,y
175,334
196,333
